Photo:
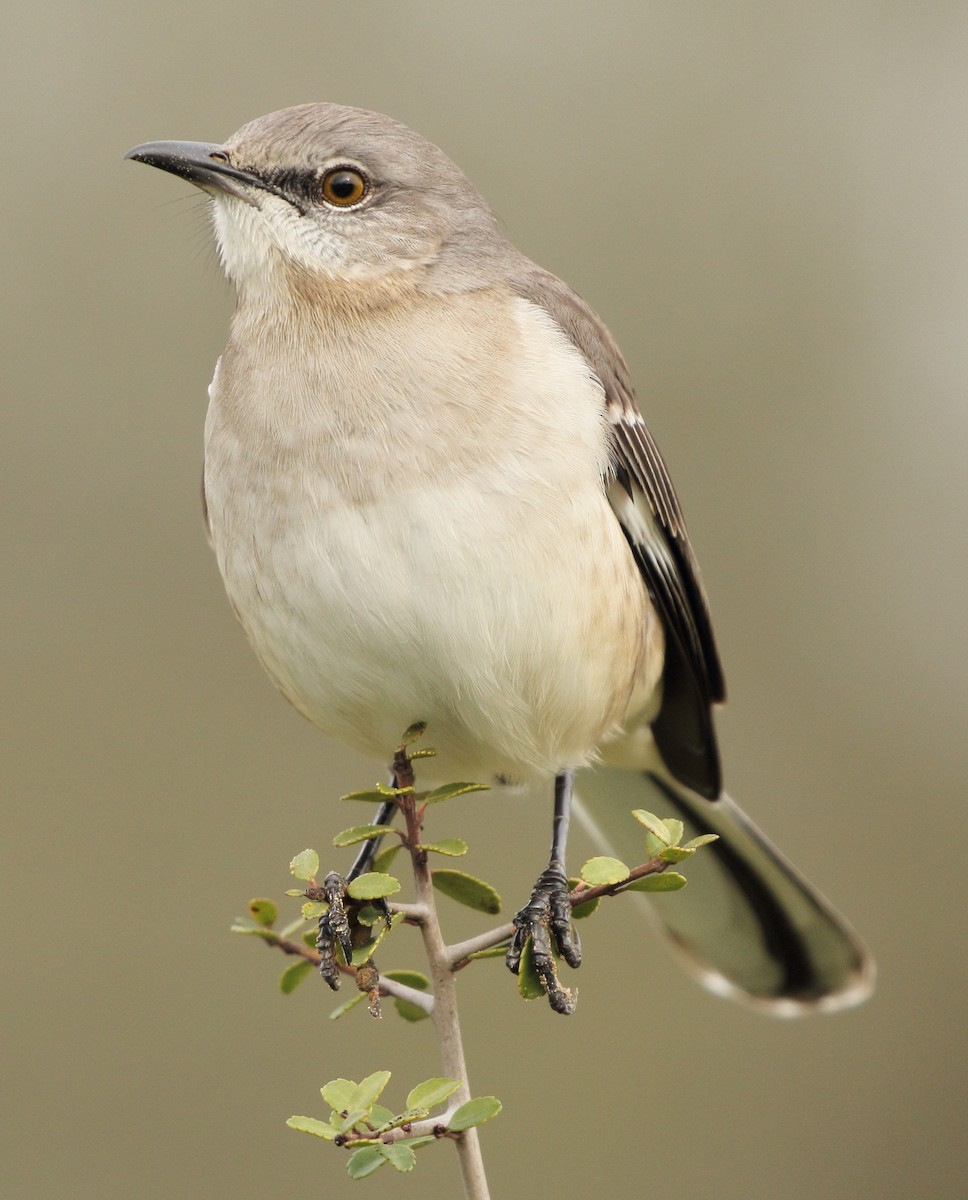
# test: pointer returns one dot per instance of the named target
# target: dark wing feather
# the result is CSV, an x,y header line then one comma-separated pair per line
x,y
645,503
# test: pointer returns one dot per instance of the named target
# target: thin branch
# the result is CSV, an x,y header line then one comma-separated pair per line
x,y
582,895
428,1127
443,963
459,953
444,985
388,987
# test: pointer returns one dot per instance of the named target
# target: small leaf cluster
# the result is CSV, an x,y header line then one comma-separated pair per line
x,y
373,885
663,838
446,792
376,1135
458,885
663,845
368,891
264,914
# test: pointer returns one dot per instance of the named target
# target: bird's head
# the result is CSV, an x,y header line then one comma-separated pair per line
x,y
336,194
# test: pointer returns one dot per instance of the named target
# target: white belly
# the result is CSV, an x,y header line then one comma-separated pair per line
x,y
485,589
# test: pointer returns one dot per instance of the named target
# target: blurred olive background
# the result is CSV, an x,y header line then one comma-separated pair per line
x,y
768,202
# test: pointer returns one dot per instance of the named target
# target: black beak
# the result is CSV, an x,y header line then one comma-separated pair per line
x,y
204,164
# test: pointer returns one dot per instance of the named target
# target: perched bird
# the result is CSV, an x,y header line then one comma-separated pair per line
x,y
432,497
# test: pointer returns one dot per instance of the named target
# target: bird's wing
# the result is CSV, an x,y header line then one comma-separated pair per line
x,y
645,503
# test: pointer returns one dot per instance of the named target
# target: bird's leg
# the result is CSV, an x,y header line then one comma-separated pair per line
x,y
546,918
364,860
334,926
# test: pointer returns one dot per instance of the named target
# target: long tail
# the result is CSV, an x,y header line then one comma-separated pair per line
x,y
750,926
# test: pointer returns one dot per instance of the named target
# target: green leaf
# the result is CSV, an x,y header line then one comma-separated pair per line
x,y
655,825
452,847
337,1094
364,1162
675,828
474,1112
380,1116
399,1156
378,794
311,1125
703,840
364,953
603,870
668,881
674,854
431,1092
295,891
368,915
353,1122
414,979
263,911
530,986
312,910
372,886
360,833
240,925
413,733
465,889
426,752
368,1091
342,1009
580,911
369,796
416,1143
385,857
654,846
450,790
293,976
305,865
491,951
409,1011
406,1008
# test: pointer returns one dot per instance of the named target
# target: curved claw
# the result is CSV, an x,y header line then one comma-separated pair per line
x,y
334,927
546,920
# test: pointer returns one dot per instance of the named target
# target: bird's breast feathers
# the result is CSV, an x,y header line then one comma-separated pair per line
x,y
480,551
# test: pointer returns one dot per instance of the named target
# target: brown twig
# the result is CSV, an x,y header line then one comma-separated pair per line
x,y
443,984
428,1127
582,895
388,987
459,954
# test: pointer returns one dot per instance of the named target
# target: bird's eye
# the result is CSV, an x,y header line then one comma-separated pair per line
x,y
343,187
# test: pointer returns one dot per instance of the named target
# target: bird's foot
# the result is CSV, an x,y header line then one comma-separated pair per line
x,y
337,925
334,929
546,920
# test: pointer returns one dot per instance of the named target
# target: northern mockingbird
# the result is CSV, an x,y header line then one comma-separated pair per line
x,y
432,497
